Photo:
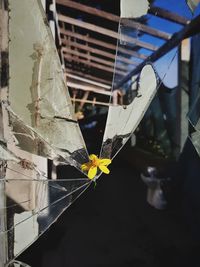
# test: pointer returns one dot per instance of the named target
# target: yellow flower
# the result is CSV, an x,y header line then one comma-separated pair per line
x,y
94,164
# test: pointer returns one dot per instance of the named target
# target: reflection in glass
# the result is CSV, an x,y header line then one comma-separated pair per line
x,y
123,119
37,91
150,65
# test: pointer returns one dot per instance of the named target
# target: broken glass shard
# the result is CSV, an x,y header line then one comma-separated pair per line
x,y
133,9
37,92
194,114
195,139
194,120
33,203
149,64
27,139
18,264
123,119
5,154
192,4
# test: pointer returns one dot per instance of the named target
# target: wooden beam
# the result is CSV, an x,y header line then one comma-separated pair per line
x,y
86,87
166,14
191,28
95,65
112,17
88,57
144,28
107,32
88,9
128,50
110,46
78,78
85,97
95,59
87,39
90,49
91,102
99,52
88,76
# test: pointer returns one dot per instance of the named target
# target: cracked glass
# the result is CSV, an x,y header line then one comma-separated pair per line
x,y
37,90
37,124
38,121
149,64
194,121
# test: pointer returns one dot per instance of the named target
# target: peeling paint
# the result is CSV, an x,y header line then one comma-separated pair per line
x,y
37,56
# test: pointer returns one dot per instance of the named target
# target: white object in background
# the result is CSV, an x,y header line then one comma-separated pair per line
x,y
133,140
155,195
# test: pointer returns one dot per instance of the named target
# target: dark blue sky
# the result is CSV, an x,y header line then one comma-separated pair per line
x,y
179,7
167,65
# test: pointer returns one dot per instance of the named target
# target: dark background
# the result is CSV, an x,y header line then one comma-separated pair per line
x,y
111,224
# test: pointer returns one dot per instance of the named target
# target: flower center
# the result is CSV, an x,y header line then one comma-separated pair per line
x,y
95,163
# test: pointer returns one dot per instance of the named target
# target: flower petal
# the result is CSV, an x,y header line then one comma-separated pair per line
x,y
92,172
93,157
85,167
104,169
104,162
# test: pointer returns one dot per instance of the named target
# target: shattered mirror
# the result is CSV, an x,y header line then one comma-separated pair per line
x,y
113,71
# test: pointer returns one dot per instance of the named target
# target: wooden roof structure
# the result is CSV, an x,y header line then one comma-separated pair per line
x,y
88,37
